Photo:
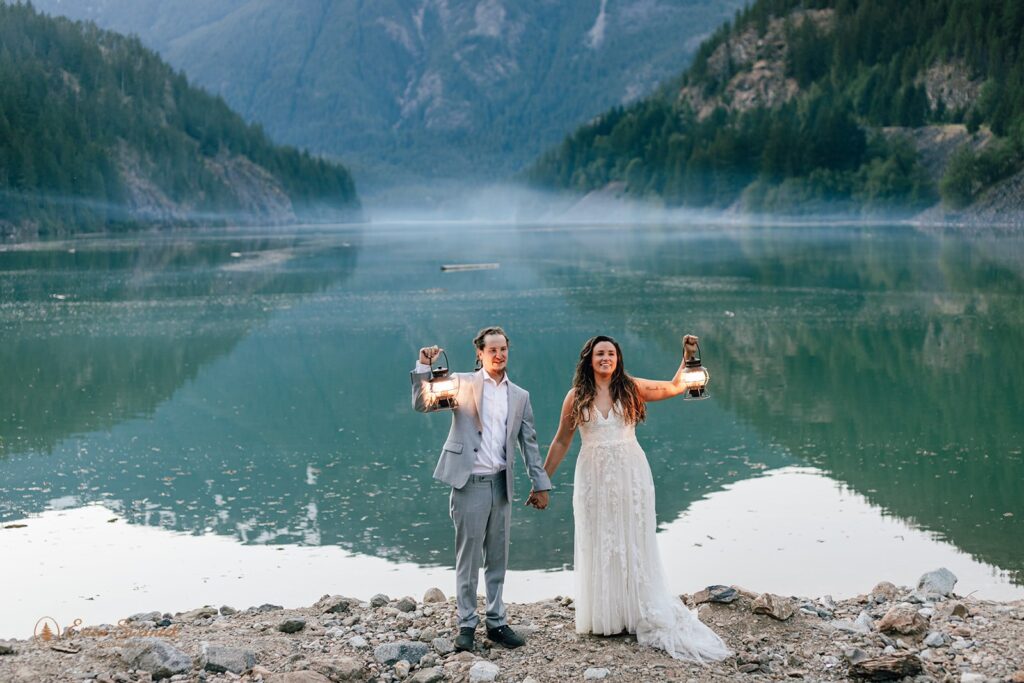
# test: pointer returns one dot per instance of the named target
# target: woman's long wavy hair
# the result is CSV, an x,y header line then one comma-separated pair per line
x,y
623,388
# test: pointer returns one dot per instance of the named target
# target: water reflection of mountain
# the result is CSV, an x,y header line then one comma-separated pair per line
x,y
887,358
100,332
301,430
287,420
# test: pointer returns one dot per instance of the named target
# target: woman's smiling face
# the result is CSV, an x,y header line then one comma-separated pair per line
x,y
604,359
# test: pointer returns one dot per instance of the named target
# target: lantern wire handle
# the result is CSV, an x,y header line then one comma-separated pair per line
x,y
446,365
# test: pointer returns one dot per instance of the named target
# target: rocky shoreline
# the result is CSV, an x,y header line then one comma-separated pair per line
x,y
927,633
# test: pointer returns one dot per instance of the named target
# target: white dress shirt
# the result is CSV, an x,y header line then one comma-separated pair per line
x,y
494,407
491,457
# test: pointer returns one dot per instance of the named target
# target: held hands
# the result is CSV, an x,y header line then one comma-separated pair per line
x,y
690,346
538,499
428,354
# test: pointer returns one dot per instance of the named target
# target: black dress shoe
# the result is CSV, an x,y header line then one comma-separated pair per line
x,y
464,641
505,636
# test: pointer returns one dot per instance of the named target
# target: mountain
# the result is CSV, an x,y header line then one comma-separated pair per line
x,y
823,105
96,132
406,90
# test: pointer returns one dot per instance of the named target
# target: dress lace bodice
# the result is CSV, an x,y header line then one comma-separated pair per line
x,y
600,430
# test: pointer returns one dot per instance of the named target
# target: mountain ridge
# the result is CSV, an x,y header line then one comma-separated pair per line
x,y
406,91
791,108
98,133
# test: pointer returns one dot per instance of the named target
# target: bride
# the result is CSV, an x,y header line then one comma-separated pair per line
x,y
620,583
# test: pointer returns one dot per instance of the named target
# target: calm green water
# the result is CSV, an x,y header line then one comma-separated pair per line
x,y
255,385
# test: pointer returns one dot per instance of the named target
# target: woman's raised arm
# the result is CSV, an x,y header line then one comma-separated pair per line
x,y
659,390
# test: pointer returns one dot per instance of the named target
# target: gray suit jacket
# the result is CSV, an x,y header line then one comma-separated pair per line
x,y
460,448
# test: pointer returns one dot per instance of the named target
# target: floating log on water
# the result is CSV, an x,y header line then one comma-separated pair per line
x,y
455,267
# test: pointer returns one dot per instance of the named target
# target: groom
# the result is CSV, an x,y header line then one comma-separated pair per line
x,y
492,415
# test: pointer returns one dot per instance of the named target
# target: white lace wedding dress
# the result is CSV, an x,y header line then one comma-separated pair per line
x,y
620,583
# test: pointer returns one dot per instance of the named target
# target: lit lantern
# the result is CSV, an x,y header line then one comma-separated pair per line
x,y
695,377
443,387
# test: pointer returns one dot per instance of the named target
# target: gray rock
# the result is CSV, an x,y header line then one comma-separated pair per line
x,y
6,649
862,624
593,674
855,655
379,600
145,616
442,646
432,675
158,657
716,593
292,625
428,634
434,595
934,639
962,644
227,611
940,581
402,669
358,642
970,677
389,653
483,672
406,604
219,659
334,604
267,607
204,612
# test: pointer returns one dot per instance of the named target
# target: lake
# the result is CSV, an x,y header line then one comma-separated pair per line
x,y
224,417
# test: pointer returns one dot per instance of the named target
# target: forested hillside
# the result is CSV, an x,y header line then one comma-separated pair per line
x,y
97,132
811,105
406,91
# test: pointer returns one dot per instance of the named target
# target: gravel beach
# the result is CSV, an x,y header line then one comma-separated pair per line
x,y
922,633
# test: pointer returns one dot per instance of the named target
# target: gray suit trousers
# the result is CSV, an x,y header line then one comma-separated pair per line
x,y
482,515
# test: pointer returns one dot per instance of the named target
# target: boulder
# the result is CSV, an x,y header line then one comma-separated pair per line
x,y
158,657
434,595
402,669
219,659
483,672
721,594
774,606
198,613
903,620
940,581
594,674
887,667
333,604
292,625
885,590
406,604
432,675
411,651
379,600
443,646
340,668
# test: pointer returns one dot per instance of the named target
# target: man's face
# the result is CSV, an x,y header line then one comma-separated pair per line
x,y
494,356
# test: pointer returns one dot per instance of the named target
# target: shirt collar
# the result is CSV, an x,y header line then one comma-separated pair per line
x,y
487,378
